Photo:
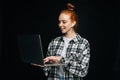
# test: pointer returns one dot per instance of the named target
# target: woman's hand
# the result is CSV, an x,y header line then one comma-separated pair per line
x,y
53,59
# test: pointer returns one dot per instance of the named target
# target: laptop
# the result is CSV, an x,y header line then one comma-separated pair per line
x,y
31,51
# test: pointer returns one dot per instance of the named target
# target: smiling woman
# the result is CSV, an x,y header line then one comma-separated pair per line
x,y
70,49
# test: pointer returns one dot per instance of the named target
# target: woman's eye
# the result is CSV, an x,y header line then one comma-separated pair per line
x,y
63,22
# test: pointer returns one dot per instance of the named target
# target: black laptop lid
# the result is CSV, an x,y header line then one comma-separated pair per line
x,y
30,48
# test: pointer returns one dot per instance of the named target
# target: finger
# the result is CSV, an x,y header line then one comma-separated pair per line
x,y
46,60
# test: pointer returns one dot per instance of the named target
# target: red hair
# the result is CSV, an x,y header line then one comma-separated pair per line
x,y
71,11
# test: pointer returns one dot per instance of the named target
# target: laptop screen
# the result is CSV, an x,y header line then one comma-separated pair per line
x,y
30,48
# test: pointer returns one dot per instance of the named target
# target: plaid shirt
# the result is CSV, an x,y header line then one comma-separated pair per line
x,y
76,60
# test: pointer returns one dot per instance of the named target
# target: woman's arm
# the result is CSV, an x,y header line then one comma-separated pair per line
x,y
79,64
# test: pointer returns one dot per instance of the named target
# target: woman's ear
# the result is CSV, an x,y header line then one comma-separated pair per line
x,y
73,23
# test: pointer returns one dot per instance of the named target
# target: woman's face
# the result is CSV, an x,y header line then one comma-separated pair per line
x,y
65,23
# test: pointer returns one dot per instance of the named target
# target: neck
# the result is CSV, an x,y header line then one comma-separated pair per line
x,y
71,34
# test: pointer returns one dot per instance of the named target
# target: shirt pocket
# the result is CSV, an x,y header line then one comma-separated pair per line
x,y
76,55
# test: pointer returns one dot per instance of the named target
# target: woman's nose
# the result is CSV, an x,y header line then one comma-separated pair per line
x,y
60,24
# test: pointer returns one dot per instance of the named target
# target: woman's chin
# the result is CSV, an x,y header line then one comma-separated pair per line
x,y
63,32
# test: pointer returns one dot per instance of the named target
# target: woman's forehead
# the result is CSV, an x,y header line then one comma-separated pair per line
x,y
64,16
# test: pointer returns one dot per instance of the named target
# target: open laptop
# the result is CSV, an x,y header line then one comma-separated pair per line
x,y
31,51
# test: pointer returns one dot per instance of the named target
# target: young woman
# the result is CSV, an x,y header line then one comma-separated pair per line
x,y
70,49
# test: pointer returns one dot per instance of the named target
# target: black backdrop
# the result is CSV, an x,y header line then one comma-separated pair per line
x,y
98,22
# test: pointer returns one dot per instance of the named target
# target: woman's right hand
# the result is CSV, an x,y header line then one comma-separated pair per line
x,y
53,59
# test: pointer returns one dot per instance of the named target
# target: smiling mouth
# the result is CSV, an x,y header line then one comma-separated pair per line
x,y
62,28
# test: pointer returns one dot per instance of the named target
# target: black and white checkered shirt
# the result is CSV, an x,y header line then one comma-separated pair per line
x,y
76,60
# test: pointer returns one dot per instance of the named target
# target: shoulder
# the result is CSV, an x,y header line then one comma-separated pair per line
x,y
82,40
85,40
56,39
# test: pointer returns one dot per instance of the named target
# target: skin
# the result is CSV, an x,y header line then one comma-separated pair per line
x,y
66,26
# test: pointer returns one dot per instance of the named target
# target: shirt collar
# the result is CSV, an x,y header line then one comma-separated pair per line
x,y
74,40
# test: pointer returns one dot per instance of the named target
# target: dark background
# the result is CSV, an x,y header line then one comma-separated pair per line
x,y
99,22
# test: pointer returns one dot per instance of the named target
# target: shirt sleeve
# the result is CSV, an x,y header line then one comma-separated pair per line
x,y
48,68
78,65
